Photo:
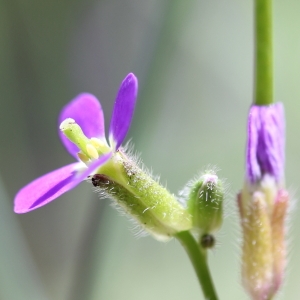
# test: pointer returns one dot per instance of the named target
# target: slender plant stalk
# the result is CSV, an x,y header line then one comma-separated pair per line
x,y
263,53
197,256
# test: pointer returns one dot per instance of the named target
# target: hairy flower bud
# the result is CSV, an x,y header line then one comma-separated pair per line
x,y
205,203
263,203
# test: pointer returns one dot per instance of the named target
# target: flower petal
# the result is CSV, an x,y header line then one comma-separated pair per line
x,y
254,124
50,186
86,110
266,139
123,110
46,188
271,147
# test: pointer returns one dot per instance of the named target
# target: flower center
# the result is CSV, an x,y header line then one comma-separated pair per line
x,y
90,148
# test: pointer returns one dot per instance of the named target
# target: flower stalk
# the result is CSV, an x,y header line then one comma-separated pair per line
x,y
198,259
263,53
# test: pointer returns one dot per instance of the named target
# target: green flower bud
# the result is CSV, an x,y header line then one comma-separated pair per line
x,y
205,203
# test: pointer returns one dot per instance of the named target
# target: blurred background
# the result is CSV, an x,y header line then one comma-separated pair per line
x,y
194,61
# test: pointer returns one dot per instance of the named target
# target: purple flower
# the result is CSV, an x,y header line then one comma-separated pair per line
x,y
87,112
265,146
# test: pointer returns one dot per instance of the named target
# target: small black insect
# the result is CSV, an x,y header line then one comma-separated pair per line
x,y
207,241
99,180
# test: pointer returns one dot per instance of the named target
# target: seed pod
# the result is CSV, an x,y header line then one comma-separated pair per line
x,y
142,198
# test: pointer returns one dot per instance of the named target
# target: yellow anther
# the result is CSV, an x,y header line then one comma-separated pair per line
x,y
99,144
83,157
92,151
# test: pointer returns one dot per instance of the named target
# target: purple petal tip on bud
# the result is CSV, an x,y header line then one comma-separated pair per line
x,y
265,146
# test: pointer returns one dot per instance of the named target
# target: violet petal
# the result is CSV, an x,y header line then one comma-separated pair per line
x,y
86,110
46,188
50,186
254,125
271,147
123,110
266,139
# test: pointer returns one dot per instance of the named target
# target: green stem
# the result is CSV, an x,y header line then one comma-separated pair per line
x,y
263,53
198,258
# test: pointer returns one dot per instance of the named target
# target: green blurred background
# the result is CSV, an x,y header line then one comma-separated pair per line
x,y
194,61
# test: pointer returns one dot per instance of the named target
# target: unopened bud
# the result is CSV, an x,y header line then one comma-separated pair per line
x,y
263,203
205,203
